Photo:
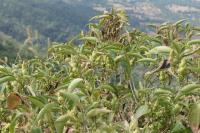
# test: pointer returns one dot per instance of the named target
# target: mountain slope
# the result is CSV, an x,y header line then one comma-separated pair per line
x,y
51,18
62,19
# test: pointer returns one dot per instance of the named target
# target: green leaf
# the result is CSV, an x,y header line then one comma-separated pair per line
x,y
73,98
107,87
36,101
97,111
179,22
118,58
89,38
142,110
188,89
47,108
197,41
195,69
162,92
62,86
194,116
159,49
100,17
75,83
147,60
60,123
13,123
36,130
179,128
6,79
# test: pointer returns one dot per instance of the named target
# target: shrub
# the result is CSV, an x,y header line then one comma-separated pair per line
x,y
115,81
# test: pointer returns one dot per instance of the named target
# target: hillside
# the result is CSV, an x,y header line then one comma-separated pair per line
x,y
62,19
51,18
8,47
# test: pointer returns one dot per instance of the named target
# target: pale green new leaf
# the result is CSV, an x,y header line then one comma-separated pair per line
x,y
142,110
90,39
74,84
160,50
97,111
194,116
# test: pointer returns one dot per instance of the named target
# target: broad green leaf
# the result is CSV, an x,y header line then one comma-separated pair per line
x,y
179,128
75,83
36,101
197,41
97,111
194,117
46,109
73,98
159,49
188,89
163,92
142,110
195,69
147,60
6,79
60,123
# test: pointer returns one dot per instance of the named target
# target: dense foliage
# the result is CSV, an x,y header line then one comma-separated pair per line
x,y
115,81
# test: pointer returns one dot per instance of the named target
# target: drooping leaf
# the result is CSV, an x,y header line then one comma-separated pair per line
x,y
188,89
71,97
162,92
118,58
36,101
179,22
60,122
90,39
107,87
197,41
75,83
194,117
142,110
46,109
13,123
147,60
99,17
97,111
6,79
160,49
